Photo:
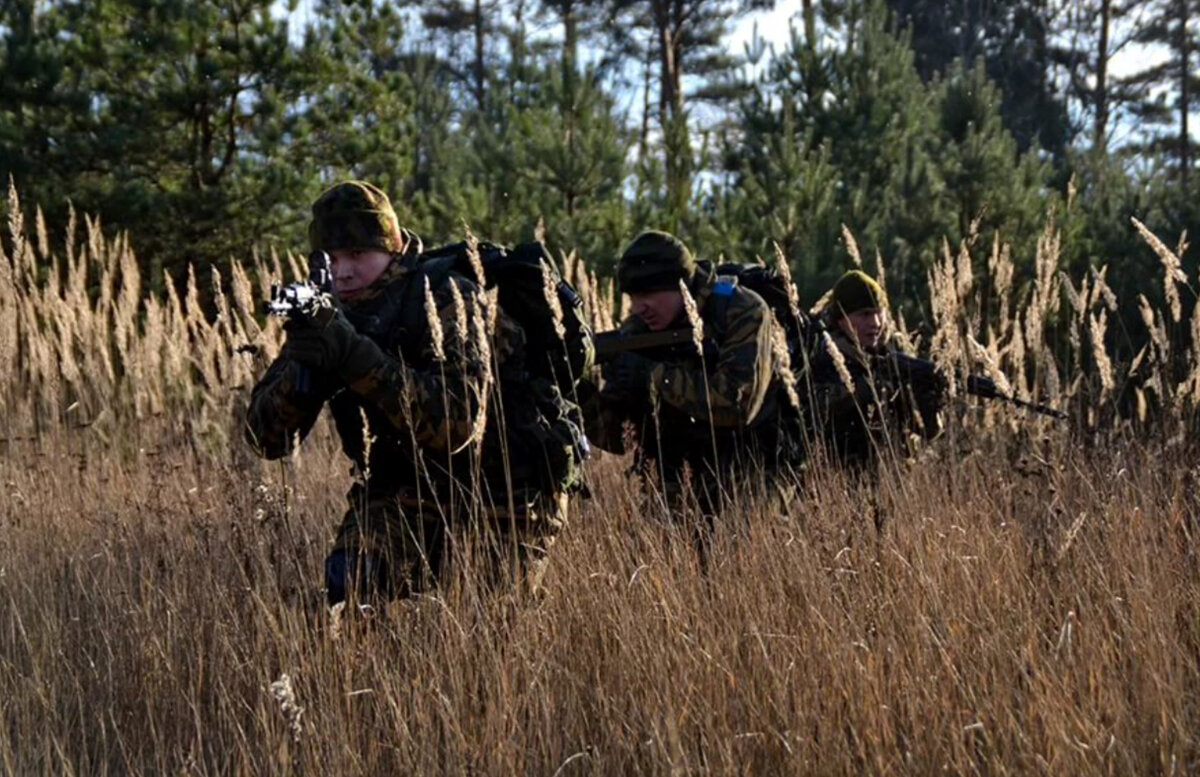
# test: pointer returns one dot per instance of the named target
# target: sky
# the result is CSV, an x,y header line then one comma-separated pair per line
x,y
773,27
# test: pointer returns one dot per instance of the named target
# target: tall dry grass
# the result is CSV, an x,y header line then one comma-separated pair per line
x,y
1038,616
1019,599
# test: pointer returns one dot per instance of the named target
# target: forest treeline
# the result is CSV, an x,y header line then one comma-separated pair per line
x,y
204,128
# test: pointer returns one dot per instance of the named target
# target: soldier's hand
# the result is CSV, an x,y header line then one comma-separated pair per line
x,y
330,344
629,373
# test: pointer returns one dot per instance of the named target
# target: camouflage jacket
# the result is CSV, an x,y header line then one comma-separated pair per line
x,y
877,411
712,411
410,423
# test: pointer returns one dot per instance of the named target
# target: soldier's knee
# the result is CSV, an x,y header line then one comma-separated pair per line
x,y
348,571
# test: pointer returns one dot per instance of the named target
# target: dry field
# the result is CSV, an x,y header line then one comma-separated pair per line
x,y
1020,599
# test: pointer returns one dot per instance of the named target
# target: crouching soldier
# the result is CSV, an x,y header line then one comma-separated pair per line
x,y
404,359
706,407
862,405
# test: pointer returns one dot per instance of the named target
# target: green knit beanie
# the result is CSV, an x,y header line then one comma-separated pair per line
x,y
354,214
654,261
856,291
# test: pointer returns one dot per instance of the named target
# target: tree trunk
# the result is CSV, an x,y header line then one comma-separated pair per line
x,y
1185,140
480,73
570,52
644,135
1100,127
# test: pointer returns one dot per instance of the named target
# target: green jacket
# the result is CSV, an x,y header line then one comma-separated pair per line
x,y
703,412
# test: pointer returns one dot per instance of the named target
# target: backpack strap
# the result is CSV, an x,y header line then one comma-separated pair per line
x,y
410,303
397,317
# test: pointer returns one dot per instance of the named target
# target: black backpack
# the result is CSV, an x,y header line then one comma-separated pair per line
x,y
543,423
521,276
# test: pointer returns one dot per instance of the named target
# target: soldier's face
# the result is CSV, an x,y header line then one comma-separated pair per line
x,y
864,326
658,309
354,269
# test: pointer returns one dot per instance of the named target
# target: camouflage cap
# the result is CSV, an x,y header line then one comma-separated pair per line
x,y
354,214
856,291
654,261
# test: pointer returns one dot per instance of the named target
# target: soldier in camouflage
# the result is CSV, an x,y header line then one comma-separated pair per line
x,y
405,367
860,404
712,412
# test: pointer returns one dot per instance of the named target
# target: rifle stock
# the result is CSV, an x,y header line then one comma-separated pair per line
x,y
611,344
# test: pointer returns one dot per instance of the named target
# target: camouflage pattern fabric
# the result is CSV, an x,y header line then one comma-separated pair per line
x,y
431,401
709,417
410,536
422,427
354,214
877,412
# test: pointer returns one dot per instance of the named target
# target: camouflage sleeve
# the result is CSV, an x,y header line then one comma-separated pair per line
x,y
831,395
733,389
604,417
284,406
442,406
923,403
829,390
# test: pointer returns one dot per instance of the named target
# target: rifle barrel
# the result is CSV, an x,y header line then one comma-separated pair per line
x,y
977,385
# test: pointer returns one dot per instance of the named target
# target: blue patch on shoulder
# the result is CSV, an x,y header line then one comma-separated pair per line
x,y
724,288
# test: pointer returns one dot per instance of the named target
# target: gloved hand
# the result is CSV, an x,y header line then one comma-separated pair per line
x,y
629,373
329,344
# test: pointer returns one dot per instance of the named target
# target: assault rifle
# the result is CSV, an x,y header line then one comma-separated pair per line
x,y
610,345
910,369
304,298
922,372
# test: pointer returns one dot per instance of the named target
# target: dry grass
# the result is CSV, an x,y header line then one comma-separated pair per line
x,y
1018,600
1034,617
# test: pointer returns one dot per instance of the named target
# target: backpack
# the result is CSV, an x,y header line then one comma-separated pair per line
x,y
800,330
521,277
543,424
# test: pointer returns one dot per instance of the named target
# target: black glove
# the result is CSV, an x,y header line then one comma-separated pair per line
x,y
329,344
629,373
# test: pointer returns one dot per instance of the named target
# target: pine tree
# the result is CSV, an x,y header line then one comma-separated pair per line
x,y
680,37
1170,89
1012,38
861,140
173,111
468,27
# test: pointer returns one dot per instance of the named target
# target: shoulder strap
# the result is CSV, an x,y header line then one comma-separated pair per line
x,y
411,299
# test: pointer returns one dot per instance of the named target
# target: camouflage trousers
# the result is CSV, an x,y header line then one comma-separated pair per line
x,y
399,544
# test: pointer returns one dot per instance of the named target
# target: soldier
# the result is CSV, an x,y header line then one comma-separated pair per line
x,y
404,361
713,412
860,403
